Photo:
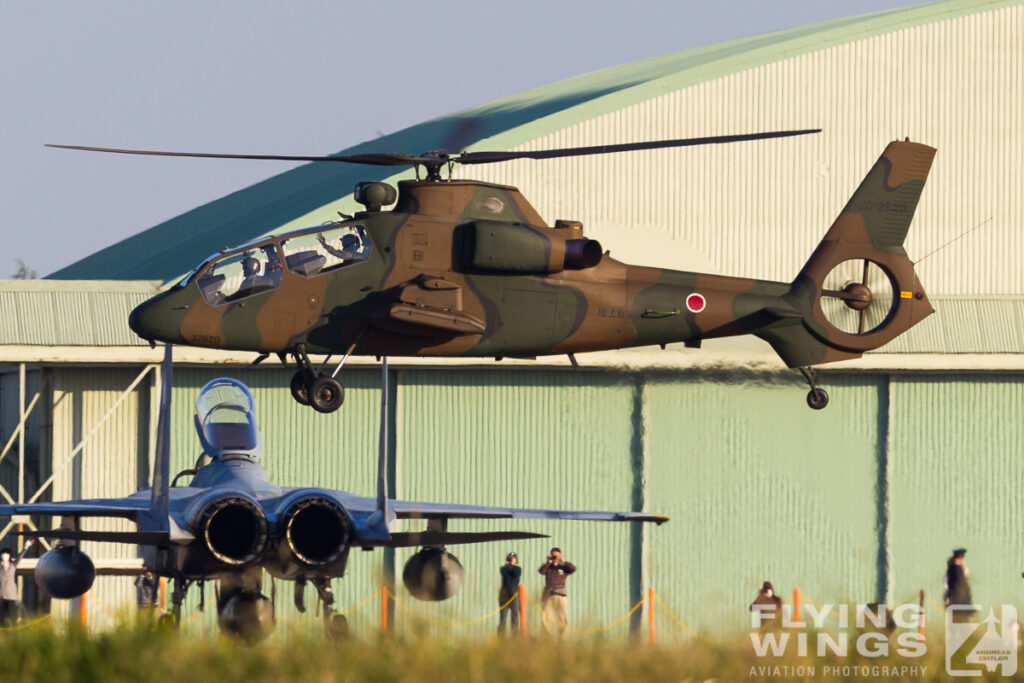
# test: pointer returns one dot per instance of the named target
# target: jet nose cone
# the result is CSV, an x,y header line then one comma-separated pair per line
x,y
157,320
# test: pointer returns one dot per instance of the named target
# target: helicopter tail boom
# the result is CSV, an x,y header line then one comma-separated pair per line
x,y
859,290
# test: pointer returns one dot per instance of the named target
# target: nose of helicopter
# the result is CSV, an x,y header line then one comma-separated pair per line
x,y
157,319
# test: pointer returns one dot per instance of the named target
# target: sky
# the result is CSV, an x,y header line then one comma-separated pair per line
x,y
302,77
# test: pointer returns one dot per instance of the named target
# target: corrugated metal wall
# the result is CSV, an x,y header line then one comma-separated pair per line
x,y
761,488
758,209
858,502
955,481
106,431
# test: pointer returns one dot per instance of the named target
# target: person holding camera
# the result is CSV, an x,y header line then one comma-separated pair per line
x,y
509,591
554,600
9,583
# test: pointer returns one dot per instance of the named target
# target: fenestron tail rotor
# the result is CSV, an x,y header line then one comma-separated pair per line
x,y
434,161
858,296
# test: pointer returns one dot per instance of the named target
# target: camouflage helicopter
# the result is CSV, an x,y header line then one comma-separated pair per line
x,y
467,268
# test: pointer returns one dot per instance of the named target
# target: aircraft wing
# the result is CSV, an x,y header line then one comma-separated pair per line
x,y
408,509
127,508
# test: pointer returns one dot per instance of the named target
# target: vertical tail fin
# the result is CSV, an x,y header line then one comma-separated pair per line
x,y
159,503
383,514
859,290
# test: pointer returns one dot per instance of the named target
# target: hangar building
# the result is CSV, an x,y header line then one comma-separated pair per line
x,y
918,452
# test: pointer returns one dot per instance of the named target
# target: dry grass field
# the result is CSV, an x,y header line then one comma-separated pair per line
x,y
130,653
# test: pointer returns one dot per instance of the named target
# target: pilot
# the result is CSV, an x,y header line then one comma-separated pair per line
x,y
253,282
349,246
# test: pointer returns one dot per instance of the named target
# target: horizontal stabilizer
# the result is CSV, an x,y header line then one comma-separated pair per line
x,y
408,509
414,539
122,566
137,537
128,508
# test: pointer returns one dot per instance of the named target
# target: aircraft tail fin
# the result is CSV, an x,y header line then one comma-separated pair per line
x,y
383,514
859,290
159,503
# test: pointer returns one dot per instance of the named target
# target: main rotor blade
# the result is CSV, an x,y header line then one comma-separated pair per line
x,y
371,159
491,157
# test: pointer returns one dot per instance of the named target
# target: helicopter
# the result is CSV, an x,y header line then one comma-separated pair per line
x,y
469,268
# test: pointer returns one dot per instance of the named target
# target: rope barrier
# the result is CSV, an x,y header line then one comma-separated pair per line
x,y
664,607
610,626
110,613
373,596
535,604
384,593
446,622
828,612
26,624
194,615
540,610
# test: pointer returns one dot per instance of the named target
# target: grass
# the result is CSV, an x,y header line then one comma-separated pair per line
x,y
134,653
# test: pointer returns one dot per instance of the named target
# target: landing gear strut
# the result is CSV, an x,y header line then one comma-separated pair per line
x,y
336,625
310,388
172,619
817,398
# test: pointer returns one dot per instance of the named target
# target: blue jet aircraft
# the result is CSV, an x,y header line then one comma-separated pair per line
x,y
230,523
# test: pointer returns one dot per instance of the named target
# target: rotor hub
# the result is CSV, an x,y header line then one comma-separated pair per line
x,y
858,296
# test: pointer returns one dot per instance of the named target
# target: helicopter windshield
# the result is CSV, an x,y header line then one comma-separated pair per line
x,y
241,275
225,420
328,249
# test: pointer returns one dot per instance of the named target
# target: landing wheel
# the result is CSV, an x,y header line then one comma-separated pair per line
x,y
298,387
326,394
336,626
817,398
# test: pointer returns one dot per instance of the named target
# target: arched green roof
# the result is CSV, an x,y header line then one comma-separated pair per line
x,y
285,201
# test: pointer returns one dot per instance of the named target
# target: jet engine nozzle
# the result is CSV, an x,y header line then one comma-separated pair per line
x,y
65,572
233,529
432,574
248,616
317,530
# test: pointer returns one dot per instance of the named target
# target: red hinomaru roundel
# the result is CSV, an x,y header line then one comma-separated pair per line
x,y
695,303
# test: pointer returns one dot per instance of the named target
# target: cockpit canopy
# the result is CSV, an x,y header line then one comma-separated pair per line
x,y
225,419
257,267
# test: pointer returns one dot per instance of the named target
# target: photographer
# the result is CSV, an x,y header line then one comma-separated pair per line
x,y
510,572
9,584
554,601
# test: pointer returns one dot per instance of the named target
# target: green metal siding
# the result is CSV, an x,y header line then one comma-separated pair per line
x,y
760,488
858,502
956,482
528,439
106,466
76,313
